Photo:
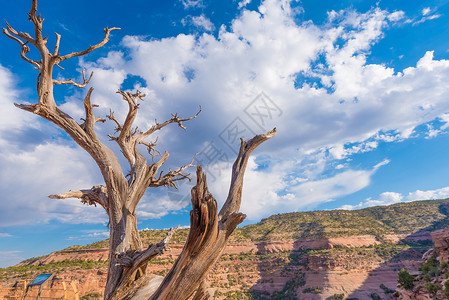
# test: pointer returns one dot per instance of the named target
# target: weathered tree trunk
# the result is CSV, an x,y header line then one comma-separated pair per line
x,y
209,231
119,197
123,237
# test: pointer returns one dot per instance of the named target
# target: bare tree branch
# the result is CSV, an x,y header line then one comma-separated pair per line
x,y
24,49
174,119
113,118
150,148
90,120
70,81
171,177
107,31
96,195
132,112
232,204
37,21
26,36
127,139
58,40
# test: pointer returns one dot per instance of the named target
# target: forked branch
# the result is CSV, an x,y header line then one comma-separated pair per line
x,y
133,104
171,177
24,49
70,81
107,31
174,119
133,260
90,120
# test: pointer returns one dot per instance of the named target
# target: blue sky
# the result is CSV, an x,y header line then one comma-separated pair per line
x,y
359,92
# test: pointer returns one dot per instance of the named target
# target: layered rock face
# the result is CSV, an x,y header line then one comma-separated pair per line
x,y
354,266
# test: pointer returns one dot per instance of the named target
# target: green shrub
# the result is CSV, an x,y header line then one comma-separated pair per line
x,y
444,266
386,289
375,296
431,267
312,290
405,279
432,288
446,288
337,297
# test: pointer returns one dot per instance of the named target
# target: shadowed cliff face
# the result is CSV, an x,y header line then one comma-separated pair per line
x,y
360,267
324,268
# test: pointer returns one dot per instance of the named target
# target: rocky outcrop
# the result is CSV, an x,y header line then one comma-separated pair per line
x,y
429,282
440,240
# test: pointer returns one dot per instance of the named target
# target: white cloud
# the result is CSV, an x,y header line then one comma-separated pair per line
x,y
203,22
200,22
157,207
388,198
192,3
29,175
4,235
427,14
90,234
396,16
269,191
13,120
244,3
429,194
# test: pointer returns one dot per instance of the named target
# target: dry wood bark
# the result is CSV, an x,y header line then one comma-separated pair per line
x,y
120,195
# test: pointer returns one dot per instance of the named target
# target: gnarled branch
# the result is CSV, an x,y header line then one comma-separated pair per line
x,y
172,176
98,194
150,148
114,119
24,49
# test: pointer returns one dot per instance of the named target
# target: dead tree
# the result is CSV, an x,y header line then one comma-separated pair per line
x,y
120,195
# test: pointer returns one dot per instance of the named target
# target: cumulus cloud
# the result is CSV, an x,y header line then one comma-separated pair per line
x,y
272,190
429,194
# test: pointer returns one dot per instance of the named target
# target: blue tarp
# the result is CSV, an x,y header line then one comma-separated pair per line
x,y
40,279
